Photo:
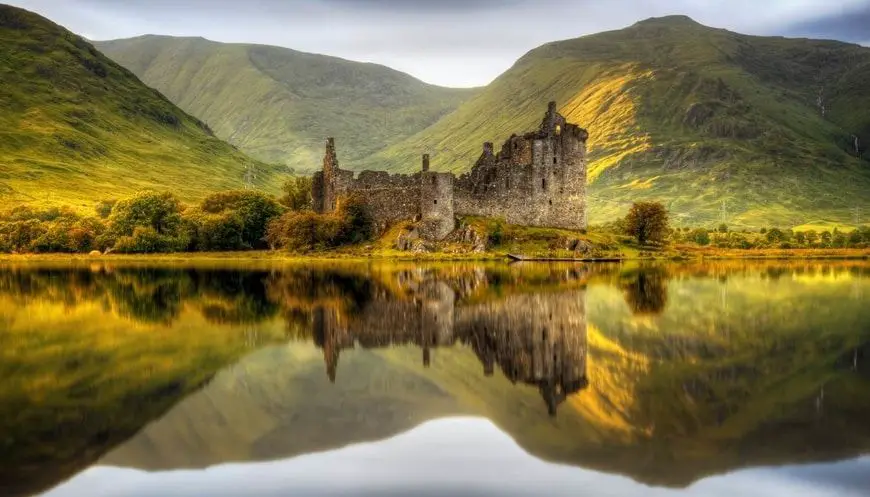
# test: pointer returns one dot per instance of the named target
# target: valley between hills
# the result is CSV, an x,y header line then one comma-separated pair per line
x,y
719,126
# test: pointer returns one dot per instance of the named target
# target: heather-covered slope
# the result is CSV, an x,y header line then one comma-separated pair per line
x,y
718,125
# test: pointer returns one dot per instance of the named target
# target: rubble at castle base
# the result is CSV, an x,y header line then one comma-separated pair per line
x,y
536,179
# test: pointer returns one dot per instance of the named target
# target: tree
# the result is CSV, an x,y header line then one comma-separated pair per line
x,y
147,209
723,228
297,193
254,209
148,222
775,235
800,237
647,222
825,238
811,236
700,236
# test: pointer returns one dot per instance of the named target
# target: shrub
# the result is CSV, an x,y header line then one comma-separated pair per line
x,y
18,236
254,210
700,236
305,230
214,231
357,223
146,240
297,193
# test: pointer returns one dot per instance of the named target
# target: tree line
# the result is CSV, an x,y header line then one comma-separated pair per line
x,y
648,223
151,222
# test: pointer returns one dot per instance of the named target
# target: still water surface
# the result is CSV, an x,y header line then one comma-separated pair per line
x,y
717,379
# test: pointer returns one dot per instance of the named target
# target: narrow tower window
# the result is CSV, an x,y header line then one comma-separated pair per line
x,y
543,184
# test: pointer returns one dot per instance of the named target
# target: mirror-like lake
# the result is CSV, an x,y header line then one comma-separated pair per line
x,y
713,379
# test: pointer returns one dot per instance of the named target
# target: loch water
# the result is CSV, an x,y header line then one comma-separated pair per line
x,y
395,378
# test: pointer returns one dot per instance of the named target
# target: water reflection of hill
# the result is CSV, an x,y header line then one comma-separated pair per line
x,y
683,371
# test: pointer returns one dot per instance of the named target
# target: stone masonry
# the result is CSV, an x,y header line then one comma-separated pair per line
x,y
536,179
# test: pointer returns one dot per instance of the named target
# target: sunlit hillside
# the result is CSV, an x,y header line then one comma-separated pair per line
x,y
719,126
77,128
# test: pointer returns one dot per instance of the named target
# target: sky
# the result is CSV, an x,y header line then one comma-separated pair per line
x,y
466,457
458,43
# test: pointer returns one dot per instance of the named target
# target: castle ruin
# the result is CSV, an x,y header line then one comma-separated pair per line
x,y
536,179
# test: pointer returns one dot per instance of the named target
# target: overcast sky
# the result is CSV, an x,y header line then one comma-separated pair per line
x,y
446,42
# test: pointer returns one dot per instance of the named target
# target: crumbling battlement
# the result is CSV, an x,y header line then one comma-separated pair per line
x,y
536,179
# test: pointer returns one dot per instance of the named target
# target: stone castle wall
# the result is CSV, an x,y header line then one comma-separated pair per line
x,y
537,179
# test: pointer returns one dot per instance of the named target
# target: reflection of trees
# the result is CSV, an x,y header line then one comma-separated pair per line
x,y
646,290
148,295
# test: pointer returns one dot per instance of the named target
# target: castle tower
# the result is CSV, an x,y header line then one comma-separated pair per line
x,y
436,203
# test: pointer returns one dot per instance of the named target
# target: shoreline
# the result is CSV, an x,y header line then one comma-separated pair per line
x,y
338,257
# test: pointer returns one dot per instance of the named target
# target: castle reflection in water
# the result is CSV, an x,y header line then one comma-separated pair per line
x,y
534,338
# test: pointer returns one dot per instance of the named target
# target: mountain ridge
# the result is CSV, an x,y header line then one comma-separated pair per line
x,y
279,104
696,117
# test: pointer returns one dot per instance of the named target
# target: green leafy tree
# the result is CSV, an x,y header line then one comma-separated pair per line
x,y
297,193
723,228
253,209
812,237
775,235
700,236
800,237
647,222
214,232
825,238
147,209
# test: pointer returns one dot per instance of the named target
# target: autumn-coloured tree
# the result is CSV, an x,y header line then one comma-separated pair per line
x,y
647,222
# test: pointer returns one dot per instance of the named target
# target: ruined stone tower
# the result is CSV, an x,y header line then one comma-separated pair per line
x,y
537,179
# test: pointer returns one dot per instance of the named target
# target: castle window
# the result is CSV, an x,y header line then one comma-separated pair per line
x,y
551,201
433,180
558,129
555,161
543,184
436,201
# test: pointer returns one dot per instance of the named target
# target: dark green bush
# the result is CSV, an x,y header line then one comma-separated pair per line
x,y
146,240
254,210
214,232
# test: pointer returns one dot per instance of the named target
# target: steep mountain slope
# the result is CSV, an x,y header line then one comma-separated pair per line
x,y
278,104
718,125
76,127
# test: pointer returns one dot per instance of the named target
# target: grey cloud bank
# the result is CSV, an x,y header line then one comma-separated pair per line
x,y
446,42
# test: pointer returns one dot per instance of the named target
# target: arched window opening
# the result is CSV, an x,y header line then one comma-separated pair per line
x,y
543,184
436,201
555,161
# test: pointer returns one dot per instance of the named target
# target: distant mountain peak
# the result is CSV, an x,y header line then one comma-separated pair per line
x,y
672,20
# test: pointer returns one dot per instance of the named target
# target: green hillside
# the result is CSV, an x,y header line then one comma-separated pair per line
x,y
716,124
278,104
77,128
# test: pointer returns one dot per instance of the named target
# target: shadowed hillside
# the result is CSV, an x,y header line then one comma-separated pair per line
x,y
76,127
718,125
278,104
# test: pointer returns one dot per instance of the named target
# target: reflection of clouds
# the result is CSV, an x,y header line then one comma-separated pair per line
x,y
434,459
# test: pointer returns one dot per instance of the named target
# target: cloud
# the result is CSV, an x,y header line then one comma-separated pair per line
x,y
852,25
447,42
